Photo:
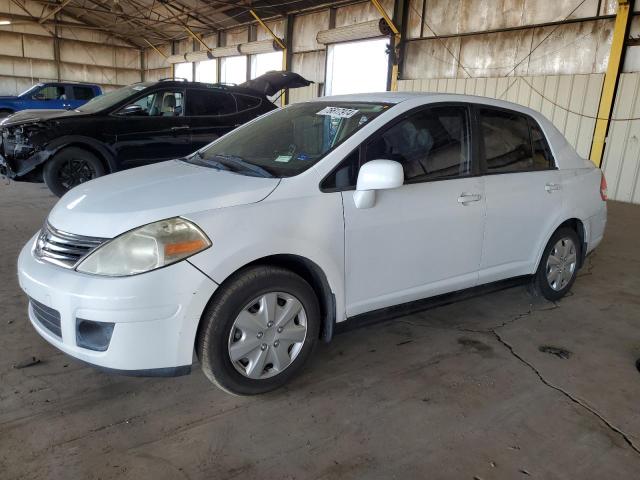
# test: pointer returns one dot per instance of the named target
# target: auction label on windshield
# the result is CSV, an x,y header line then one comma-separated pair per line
x,y
338,112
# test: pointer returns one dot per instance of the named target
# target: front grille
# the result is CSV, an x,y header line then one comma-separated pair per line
x,y
62,248
47,317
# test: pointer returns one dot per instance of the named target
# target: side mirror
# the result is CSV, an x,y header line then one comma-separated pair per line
x,y
131,110
376,175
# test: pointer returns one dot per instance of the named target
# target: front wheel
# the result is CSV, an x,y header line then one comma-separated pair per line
x,y
69,168
559,264
258,331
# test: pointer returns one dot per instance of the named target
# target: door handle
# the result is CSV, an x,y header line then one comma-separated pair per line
x,y
552,187
181,127
465,198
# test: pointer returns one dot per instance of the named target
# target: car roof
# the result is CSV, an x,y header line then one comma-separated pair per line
x,y
400,97
183,83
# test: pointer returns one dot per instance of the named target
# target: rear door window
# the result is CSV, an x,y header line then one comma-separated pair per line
x,y
209,102
512,142
542,157
82,93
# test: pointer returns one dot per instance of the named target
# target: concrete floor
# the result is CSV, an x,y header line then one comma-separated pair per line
x,y
461,392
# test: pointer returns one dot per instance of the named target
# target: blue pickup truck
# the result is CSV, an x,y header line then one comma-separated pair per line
x,y
51,95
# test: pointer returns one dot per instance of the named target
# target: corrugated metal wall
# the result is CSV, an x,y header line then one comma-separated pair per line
x,y
621,162
27,54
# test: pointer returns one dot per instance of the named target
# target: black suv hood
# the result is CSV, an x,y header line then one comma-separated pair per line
x,y
272,82
30,116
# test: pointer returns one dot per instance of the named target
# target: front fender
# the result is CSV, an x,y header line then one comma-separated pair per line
x,y
310,227
105,151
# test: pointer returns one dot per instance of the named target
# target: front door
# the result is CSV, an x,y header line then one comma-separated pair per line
x,y
152,128
49,97
523,191
424,238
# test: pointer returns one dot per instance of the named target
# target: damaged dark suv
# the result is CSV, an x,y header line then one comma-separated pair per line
x,y
135,125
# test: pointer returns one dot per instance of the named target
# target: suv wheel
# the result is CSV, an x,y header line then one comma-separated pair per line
x,y
559,264
69,168
258,331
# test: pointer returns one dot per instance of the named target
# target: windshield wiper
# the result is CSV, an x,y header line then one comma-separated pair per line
x,y
206,162
238,164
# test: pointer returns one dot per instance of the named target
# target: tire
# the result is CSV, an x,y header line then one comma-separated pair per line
x,y
5,113
227,327
564,249
69,168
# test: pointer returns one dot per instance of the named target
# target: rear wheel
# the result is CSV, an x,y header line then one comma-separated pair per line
x,y
258,331
71,167
559,264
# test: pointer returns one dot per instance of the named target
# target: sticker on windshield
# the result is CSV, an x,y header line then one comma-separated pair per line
x,y
283,158
337,112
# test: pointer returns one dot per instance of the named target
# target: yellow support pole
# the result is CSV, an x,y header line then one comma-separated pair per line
x,y
396,43
610,81
155,48
278,40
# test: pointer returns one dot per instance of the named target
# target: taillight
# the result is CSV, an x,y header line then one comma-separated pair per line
x,y
603,188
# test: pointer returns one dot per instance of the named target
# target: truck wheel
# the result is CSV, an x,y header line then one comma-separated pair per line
x,y
69,168
559,264
5,113
258,331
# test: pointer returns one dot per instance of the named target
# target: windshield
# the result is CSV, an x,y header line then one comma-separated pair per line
x,y
107,100
288,141
30,89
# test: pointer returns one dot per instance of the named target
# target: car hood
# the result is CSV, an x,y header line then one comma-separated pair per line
x,y
8,97
30,116
111,205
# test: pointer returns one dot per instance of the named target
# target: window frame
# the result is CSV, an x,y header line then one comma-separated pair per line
x,y
473,150
209,90
482,160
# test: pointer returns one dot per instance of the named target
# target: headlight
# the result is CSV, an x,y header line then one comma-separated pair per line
x,y
146,248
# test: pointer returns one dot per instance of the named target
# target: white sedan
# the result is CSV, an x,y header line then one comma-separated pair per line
x,y
255,247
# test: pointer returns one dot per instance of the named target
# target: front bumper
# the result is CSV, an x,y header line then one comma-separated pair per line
x,y
156,314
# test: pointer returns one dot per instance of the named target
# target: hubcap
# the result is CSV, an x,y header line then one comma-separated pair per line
x,y
267,335
74,172
561,264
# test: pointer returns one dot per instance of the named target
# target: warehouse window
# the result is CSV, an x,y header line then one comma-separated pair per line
x,y
233,70
183,70
357,67
265,62
207,71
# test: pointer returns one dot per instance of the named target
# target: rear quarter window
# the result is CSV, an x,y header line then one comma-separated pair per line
x,y
247,102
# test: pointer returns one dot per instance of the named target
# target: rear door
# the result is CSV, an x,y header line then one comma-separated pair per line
x,y
211,113
152,128
523,191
